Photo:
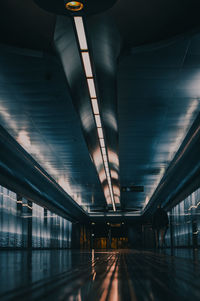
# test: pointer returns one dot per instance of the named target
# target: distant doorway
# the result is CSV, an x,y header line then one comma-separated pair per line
x,y
119,243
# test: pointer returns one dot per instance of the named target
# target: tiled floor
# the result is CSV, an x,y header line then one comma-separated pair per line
x,y
109,275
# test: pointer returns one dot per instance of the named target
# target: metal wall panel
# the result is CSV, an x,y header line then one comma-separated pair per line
x,y
22,221
185,222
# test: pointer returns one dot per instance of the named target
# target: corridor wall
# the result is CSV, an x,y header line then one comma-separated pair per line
x,y
185,222
25,224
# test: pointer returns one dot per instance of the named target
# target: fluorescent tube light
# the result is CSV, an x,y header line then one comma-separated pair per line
x,y
106,163
113,203
91,87
100,132
87,64
81,33
103,150
102,142
105,173
105,158
98,121
95,106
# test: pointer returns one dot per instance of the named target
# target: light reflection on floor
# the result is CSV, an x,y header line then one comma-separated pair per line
x,y
103,276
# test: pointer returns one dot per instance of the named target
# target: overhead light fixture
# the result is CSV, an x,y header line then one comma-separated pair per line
x,y
91,87
105,174
87,63
103,150
95,106
81,33
102,142
74,6
106,165
100,132
105,158
98,121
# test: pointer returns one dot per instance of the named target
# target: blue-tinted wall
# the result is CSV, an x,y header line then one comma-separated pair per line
x,y
25,224
185,222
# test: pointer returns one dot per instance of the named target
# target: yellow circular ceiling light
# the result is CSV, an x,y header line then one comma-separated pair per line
x,y
74,5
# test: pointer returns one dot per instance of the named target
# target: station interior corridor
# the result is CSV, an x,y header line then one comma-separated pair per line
x,y
99,150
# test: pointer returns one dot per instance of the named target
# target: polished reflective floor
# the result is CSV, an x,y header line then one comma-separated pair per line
x,y
99,275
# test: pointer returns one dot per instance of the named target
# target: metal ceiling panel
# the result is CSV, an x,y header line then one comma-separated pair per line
x,y
36,109
158,100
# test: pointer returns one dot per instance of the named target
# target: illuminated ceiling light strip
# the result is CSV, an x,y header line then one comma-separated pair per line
x,y
107,169
105,158
103,151
81,33
107,173
100,132
106,163
98,121
93,98
87,64
113,202
95,106
102,142
91,87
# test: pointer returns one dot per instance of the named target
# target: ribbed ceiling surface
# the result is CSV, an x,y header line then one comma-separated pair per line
x,y
158,99
36,109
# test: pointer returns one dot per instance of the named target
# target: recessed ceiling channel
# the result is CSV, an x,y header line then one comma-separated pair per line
x,y
89,62
85,54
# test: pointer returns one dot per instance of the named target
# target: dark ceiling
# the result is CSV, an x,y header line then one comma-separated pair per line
x,y
158,101
153,92
139,22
